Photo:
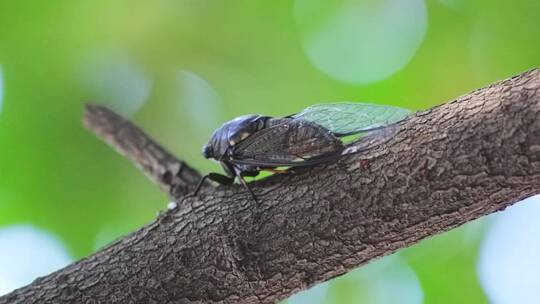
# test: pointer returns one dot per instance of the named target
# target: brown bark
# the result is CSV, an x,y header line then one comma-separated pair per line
x,y
445,167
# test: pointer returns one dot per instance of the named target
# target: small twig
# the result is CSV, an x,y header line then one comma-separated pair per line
x,y
172,175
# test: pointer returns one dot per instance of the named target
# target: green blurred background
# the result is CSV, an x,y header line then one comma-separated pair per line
x,y
181,68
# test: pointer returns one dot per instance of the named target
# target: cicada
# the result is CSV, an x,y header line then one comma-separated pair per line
x,y
249,144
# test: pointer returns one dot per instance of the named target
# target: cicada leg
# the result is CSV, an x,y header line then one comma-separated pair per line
x,y
225,180
216,177
241,175
245,184
221,179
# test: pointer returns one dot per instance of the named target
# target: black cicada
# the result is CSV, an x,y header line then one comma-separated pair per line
x,y
252,143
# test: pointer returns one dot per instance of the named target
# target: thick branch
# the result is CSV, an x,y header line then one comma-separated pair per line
x,y
172,175
445,167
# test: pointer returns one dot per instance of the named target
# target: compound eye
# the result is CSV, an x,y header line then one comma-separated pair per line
x,y
207,151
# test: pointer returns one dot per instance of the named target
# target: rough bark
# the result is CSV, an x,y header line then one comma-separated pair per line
x,y
445,167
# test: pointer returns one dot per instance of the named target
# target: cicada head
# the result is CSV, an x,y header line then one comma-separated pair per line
x,y
231,133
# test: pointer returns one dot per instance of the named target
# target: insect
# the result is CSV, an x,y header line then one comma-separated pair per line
x,y
253,143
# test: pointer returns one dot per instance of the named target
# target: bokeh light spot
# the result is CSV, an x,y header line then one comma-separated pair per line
x,y
26,253
200,102
114,79
314,295
391,273
509,265
368,284
361,42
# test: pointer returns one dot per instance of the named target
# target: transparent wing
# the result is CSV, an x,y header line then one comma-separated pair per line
x,y
348,118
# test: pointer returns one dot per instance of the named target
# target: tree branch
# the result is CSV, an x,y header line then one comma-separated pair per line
x,y
445,167
173,176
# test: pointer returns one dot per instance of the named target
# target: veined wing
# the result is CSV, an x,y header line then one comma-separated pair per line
x,y
346,118
289,143
267,158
